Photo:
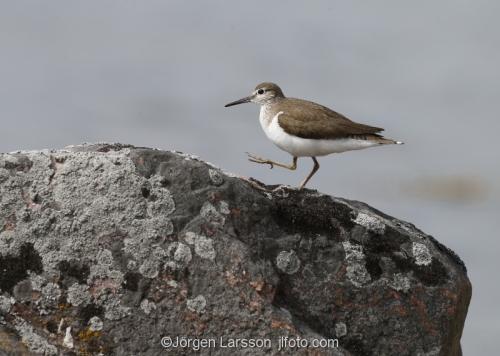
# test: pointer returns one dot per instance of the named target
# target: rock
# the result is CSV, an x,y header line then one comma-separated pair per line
x,y
114,249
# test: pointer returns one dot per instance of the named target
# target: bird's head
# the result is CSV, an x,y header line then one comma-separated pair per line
x,y
263,93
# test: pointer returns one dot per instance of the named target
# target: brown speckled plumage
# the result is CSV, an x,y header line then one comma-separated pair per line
x,y
306,119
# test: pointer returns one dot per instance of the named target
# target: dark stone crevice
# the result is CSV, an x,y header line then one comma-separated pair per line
x,y
15,268
433,274
308,214
73,270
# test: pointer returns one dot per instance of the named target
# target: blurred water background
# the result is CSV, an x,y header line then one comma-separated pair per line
x,y
157,74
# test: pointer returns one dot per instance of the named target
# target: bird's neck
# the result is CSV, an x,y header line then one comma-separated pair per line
x,y
267,112
270,105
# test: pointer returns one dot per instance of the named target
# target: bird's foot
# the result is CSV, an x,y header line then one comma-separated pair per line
x,y
256,184
256,159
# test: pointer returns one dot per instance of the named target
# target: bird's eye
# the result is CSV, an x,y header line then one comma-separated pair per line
x,y
260,91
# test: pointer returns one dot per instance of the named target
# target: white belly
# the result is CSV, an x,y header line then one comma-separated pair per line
x,y
306,147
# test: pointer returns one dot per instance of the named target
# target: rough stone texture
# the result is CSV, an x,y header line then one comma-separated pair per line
x,y
108,248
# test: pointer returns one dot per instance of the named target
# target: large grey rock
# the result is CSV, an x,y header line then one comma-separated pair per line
x,y
108,248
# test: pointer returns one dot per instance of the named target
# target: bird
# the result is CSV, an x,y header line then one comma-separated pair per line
x,y
307,129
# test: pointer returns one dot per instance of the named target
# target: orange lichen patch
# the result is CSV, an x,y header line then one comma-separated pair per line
x,y
63,306
35,295
255,306
86,335
235,212
265,290
280,324
257,285
91,342
231,279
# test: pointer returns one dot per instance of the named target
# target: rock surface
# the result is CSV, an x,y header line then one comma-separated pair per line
x,y
105,249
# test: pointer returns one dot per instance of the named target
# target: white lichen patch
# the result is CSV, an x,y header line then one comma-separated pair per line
x,y
147,306
50,294
353,252
340,329
172,283
100,271
211,215
68,338
288,262
215,177
150,268
131,265
79,204
203,246
162,202
356,267
370,222
182,254
197,304
159,253
400,282
95,323
224,207
152,228
104,257
187,156
78,294
37,281
6,303
59,328
113,309
421,254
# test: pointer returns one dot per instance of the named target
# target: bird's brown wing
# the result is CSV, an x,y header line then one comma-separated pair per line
x,y
310,120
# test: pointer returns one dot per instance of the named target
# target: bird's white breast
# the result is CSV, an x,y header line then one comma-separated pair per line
x,y
305,147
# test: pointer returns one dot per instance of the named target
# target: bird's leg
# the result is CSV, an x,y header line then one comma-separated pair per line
x,y
256,159
314,170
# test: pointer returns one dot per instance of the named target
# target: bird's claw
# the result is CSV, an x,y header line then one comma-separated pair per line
x,y
256,159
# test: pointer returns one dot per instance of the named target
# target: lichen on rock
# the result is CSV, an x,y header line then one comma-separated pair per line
x,y
101,244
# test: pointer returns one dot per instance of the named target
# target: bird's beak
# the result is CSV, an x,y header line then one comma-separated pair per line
x,y
241,101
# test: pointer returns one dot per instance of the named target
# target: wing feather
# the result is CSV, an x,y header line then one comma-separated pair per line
x,y
310,120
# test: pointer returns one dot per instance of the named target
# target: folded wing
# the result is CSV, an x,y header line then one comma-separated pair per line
x,y
306,119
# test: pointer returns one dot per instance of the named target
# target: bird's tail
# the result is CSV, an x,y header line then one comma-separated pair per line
x,y
384,140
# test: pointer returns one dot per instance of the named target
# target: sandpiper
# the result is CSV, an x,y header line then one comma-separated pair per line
x,y
306,129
